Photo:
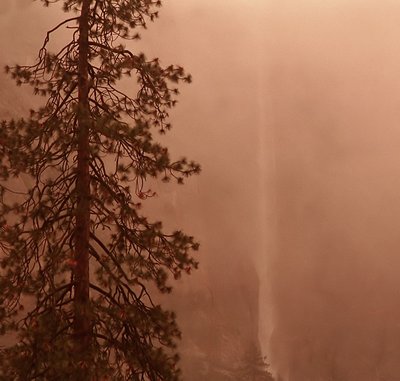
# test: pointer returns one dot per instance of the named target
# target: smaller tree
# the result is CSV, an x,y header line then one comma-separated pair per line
x,y
254,366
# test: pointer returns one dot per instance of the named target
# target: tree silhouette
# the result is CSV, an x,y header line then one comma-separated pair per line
x,y
79,262
253,366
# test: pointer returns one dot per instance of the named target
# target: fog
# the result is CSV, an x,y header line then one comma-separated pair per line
x,y
334,105
294,115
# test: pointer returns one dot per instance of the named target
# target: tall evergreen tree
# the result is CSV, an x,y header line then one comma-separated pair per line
x,y
79,262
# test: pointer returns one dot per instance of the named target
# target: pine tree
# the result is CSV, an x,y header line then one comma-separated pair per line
x,y
253,366
79,262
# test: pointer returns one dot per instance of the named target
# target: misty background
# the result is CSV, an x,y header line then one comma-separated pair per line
x,y
294,115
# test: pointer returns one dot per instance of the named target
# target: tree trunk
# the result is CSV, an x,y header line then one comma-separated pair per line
x,y
82,326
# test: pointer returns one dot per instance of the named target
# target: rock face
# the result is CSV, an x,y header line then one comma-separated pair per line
x,y
217,123
217,306
219,321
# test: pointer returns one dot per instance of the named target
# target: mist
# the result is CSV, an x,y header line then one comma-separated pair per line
x,y
294,116
334,112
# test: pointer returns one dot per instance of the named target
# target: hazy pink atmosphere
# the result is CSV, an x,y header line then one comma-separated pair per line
x,y
294,115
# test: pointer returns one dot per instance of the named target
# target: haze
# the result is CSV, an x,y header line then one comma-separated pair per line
x,y
294,114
